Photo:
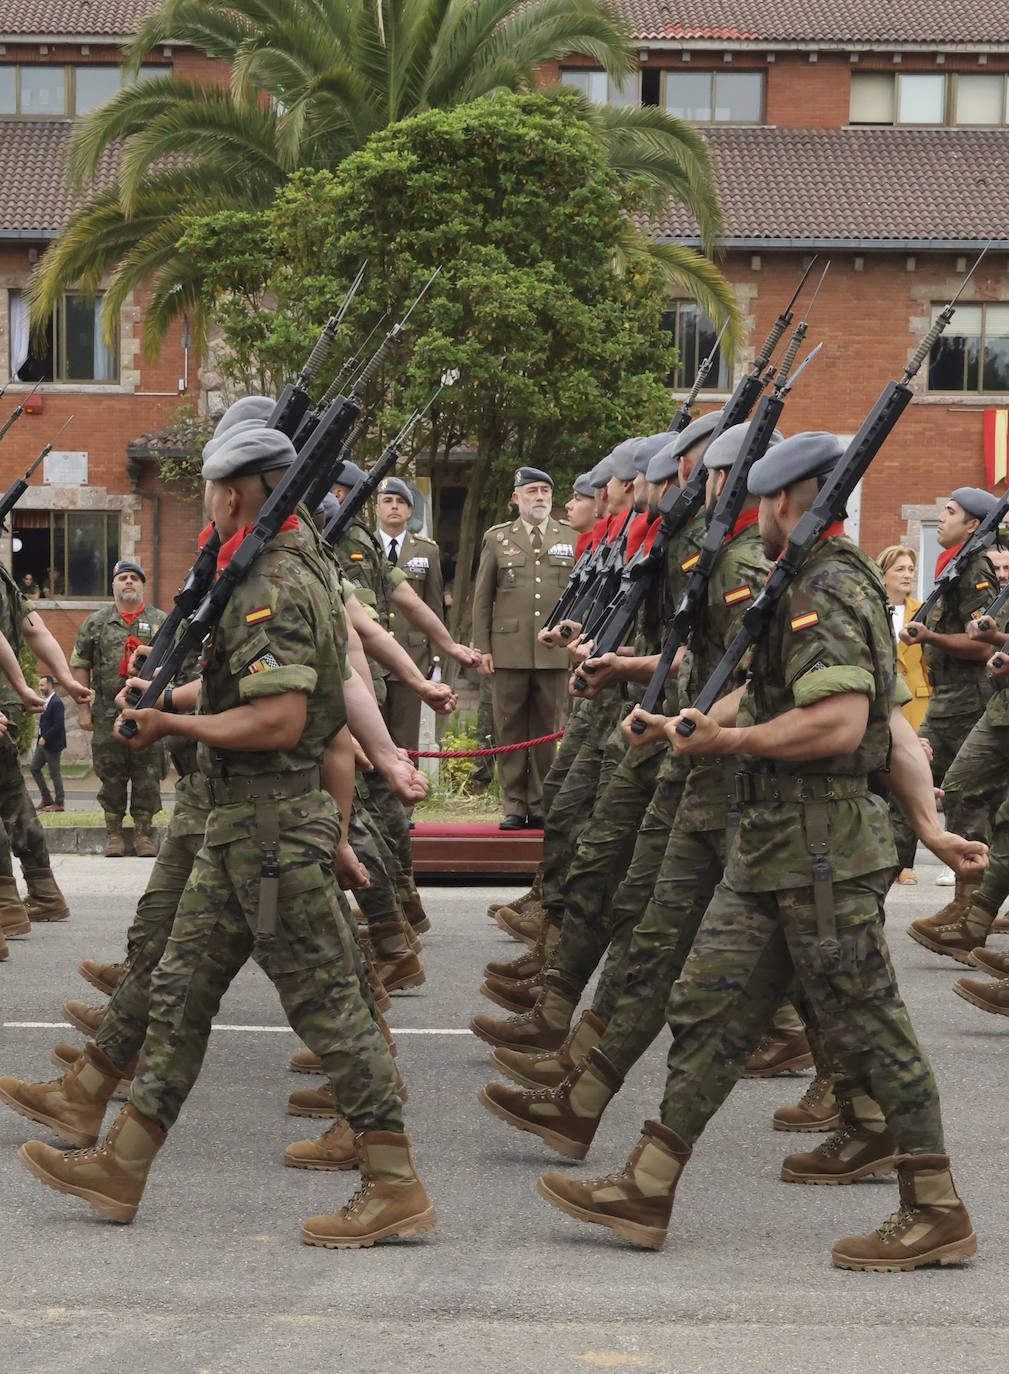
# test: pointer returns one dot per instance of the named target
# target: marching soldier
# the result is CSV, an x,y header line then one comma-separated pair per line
x,y
524,567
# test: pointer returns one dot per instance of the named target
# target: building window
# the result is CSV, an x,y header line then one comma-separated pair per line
x,y
75,349
973,353
53,92
715,97
67,553
694,336
601,88
930,99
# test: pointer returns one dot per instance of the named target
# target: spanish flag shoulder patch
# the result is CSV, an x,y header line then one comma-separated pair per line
x,y
804,621
688,563
357,556
260,613
742,593
982,586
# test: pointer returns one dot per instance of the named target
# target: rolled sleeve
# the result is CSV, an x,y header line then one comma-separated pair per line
x,y
291,677
821,683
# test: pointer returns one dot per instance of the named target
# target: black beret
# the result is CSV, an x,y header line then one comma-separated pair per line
x,y
129,565
524,476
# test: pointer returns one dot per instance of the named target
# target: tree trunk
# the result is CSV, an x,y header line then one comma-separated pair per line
x,y
461,617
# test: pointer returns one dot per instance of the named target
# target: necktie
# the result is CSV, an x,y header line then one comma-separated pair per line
x,y
393,554
537,541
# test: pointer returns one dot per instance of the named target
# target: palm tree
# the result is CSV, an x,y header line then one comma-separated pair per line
x,y
310,81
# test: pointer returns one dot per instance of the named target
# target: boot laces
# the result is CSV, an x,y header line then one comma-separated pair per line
x,y
897,1221
836,1139
359,1196
815,1093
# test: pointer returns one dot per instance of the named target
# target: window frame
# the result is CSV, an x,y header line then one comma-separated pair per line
x,y
980,389
714,73
70,85
610,83
950,81
720,383
59,352
112,526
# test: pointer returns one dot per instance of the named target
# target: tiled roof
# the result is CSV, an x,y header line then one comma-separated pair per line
x,y
942,23
36,196
94,18
880,184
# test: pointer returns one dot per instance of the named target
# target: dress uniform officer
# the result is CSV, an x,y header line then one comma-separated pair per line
x,y
418,558
524,566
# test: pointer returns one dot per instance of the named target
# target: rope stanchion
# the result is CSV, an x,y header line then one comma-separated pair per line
x,y
482,753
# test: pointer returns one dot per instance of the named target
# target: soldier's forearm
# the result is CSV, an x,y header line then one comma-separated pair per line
x,y
421,616
961,646
44,645
266,723
9,665
910,779
338,775
367,723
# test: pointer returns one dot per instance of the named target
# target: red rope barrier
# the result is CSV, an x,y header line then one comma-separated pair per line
x,y
481,753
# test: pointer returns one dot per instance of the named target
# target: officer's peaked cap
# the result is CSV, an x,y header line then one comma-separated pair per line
x,y
723,451
809,454
975,500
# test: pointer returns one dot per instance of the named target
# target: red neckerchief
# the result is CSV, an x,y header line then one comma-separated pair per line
x,y
945,555
130,616
748,518
598,531
653,530
636,532
131,643
204,535
582,543
617,523
229,547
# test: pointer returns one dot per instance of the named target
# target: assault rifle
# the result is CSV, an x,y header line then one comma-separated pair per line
x,y
575,583
293,487
19,486
825,510
350,366
977,540
986,620
682,417
601,575
18,410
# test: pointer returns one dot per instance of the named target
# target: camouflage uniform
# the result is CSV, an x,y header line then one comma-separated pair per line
x,y
276,635
99,648
764,925
975,782
373,579
21,831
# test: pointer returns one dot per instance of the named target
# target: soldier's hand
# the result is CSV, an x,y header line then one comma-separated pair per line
x,y
4,722
350,871
706,736
84,719
985,631
151,726
998,664
655,727
440,697
81,695
362,762
462,653
915,634
486,665
603,672
137,658
550,639
568,630
967,858
407,782
31,700
120,697
579,650
926,748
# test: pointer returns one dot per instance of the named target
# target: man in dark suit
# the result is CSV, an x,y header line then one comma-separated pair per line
x,y
51,742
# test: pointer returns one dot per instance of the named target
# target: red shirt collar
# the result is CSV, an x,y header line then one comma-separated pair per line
x,y
945,555
744,521
229,546
130,616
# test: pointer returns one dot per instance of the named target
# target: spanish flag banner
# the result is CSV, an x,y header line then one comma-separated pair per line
x,y
996,445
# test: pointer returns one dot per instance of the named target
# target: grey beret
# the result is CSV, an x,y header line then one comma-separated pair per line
x,y
622,460
602,472
647,447
247,408
975,500
395,486
809,454
581,486
327,508
349,475
665,463
218,440
524,476
247,448
724,450
696,431
129,565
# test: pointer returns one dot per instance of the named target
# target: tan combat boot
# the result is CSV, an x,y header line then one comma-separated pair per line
x,y
549,1068
545,1027
411,905
110,1176
321,1101
307,1061
784,1049
45,901
513,996
382,999
390,1201
143,841
397,965
522,925
115,845
993,997
82,1017
956,907
957,939
861,1147
334,1149
566,1117
990,961
532,961
104,977
636,1201
533,896
14,919
73,1107
64,1056
931,1227
816,1110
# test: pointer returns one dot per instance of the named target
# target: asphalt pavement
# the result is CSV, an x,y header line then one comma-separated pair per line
x,y
212,1276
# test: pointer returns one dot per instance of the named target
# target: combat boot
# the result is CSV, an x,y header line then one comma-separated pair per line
x,y
72,1107
545,1027
993,997
931,1226
990,961
522,925
143,841
411,905
115,845
1000,926
382,999
334,1149
64,1056
398,967
518,996
45,901
956,907
533,961
84,1018
110,1176
307,1061
565,1118
534,895
549,1068
784,1049
957,939
390,1201
104,977
636,1201
321,1102
14,919
816,1109
861,1147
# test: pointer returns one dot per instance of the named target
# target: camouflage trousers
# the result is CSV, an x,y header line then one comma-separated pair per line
x,y
975,782
22,831
748,949
995,884
124,1023
378,901
575,731
314,964
390,817
600,862
118,767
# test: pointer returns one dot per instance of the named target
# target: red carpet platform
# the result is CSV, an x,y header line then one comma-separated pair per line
x,y
474,847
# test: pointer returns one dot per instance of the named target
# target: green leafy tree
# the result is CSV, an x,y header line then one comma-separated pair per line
x,y
560,354
305,83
